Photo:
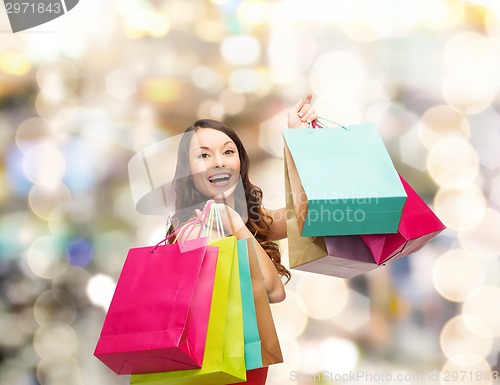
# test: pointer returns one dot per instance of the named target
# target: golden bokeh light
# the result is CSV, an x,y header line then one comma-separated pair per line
x,y
324,296
453,162
369,20
44,199
44,165
45,257
160,90
442,121
337,71
456,275
290,316
482,240
483,304
460,345
460,208
440,14
240,50
14,63
55,342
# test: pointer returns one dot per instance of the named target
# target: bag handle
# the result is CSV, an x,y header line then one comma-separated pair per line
x,y
201,219
320,123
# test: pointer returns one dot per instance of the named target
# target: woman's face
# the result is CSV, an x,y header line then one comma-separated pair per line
x,y
214,163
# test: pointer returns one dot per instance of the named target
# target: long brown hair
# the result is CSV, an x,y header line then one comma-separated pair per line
x,y
188,198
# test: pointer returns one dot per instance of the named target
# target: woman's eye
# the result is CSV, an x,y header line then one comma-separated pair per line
x,y
227,152
203,155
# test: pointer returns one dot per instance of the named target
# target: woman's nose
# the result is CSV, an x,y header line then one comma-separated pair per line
x,y
218,161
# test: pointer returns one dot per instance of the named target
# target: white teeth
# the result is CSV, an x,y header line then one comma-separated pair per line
x,y
220,176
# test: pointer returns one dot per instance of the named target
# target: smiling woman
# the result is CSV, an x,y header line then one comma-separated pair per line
x,y
212,163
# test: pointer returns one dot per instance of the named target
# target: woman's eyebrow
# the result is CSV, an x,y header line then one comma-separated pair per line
x,y
228,142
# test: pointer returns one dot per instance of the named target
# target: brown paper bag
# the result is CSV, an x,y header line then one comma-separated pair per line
x,y
270,346
342,256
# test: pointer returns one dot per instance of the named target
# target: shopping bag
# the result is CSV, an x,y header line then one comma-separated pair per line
x,y
256,377
223,362
343,256
343,181
418,226
165,329
253,355
270,346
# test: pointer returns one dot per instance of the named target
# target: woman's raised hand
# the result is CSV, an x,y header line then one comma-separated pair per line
x,y
302,114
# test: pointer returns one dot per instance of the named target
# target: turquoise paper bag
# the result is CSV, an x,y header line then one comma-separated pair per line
x,y
343,181
253,353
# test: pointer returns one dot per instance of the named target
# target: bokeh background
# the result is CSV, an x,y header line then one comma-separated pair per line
x,y
81,95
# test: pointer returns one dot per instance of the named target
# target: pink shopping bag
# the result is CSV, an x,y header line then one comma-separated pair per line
x,y
158,317
417,227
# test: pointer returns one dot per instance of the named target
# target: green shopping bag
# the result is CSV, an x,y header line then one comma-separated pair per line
x,y
223,361
253,353
343,181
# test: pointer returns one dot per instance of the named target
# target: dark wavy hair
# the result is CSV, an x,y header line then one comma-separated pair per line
x,y
188,198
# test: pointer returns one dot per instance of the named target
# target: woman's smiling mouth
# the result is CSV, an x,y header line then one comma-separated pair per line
x,y
220,180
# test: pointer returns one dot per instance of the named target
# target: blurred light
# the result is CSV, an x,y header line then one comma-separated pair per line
x,y
43,199
100,289
74,281
32,132
69,219
340,72
80,252
356,314
58,79
412,152
495,190
338,107
253,12
11,333
121,84
160,90
483,304
486,139
472,370
210,30
54,306
456,274
460,345
453,162
264,174
290,316
292,357
55,342
65,372
270,136
146,21
56,112
244,81
442,121
45,257
324,296
369,20
469,53
210,109
44,165
13,63
206,79
4,187
460,208
392,119
440,14
17,231
241,50
482,241
232,102
470,93
338,355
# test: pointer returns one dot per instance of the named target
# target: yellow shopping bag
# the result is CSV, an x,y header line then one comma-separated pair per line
x,y
223,361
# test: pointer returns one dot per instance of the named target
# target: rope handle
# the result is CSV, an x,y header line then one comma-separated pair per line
x,y
179,233
320,123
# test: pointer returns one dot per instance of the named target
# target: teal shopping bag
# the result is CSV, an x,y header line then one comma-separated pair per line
x,y
253,353
343,181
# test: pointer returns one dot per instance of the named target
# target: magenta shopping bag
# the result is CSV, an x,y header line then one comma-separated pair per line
x,y
417,227
158,317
